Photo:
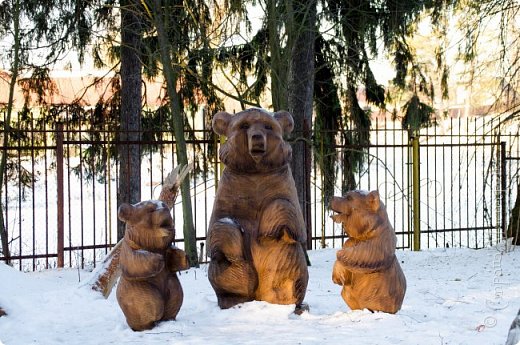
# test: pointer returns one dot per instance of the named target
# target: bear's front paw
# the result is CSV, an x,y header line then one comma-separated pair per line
x,y
340,274
141,264
288,234
281,233
176,259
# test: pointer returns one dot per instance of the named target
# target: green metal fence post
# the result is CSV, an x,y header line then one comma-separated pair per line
x,y
59,196
416,179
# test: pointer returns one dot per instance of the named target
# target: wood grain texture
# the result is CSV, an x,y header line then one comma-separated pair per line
x,y
256,233
149,289
366,266
108,272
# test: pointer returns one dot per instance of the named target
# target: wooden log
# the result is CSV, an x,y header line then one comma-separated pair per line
x,y
105,276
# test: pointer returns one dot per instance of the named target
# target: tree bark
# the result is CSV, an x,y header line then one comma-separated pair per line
x,y
279,65
300,100
129,189
171,75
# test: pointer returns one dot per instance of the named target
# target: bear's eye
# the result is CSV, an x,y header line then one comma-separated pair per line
x,y
244,125
349,198
268,127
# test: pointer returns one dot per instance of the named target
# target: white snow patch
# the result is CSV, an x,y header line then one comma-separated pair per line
x,y
446,303
159,204
227,220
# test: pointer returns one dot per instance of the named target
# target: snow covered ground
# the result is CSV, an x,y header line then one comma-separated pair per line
x,y
454,296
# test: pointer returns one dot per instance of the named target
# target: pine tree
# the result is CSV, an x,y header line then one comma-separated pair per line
x,y
49,30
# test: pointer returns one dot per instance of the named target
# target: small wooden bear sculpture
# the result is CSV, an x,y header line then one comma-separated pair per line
x,y
256,233
149,289
367,267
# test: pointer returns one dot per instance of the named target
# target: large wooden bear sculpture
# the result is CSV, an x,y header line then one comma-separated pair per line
x,y
149,289
256,233
367,267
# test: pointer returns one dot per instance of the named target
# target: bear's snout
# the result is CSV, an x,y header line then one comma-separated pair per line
x,y
340,205
335,203
256,143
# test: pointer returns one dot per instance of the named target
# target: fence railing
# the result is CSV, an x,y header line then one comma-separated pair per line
x,y
61,184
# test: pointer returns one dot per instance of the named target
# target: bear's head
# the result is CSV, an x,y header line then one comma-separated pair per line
x,y
254,139
359,212
149,225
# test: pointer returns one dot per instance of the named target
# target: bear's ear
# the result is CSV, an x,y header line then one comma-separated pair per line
x,y
220,122
286,121
373,200
124,212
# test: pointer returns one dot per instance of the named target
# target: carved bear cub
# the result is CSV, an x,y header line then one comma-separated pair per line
x,y
149,289
256,234
367,267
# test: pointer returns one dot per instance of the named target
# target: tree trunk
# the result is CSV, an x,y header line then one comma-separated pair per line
x,y
279,65
129,189
7,121
171,75
300,100
513,229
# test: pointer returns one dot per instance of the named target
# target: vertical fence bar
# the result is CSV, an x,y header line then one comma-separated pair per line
x,y
462,176
427,185
416,180
81,248
435,192
71,135
59,174
475,187
21,235
323,245
405,172
315,208
33,213
503,195
109,182
497,198
467,133
46,172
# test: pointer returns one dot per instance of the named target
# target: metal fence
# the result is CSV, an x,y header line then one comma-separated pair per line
x,y
62,178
